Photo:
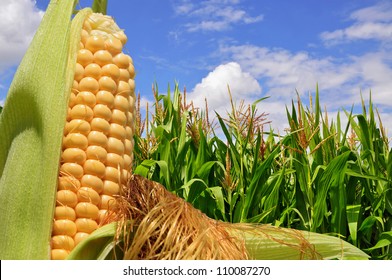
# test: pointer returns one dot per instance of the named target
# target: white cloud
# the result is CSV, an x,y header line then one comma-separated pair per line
x,y
373,22
213,15
282,72
214,88
20,19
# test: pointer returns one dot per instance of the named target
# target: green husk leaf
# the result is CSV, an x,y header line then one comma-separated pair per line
x,y
97,246
265,242
31,126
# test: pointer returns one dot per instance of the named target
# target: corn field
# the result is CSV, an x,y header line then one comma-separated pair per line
x,y
319,177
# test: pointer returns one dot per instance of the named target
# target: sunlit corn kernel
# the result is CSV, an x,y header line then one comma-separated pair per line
x,y
121,103
112,174
86,225
111,70
107,202
82,112
62,242
105,98
110,188
84,36
130,120
68,183
97,152
125,176
113,45
121,36
102,57
64,213
93,182
86,210
85,98
108,84
95,43
115,146
64,227
89,84
77,126
119,117
75,86
102,111
117,131
84,57
75,140
87,26
123,88
97,138
127,161
59,254
128,144
131,70
94,167
102,215
124,75
115,160
131,84
88,194
121,60
79,72
79,236
93,70
129,133
74,155
102,125
66,198
72,169
72,98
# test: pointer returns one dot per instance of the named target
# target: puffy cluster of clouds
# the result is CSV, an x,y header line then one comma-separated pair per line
x,y
20,20
282,73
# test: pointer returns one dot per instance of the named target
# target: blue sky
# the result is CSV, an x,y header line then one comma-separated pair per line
x,y
257,47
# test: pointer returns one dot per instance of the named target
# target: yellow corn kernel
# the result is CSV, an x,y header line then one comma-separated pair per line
x,y
93,70
94,167
86,225
64,213
97,152
101,125
86,210
74,155
88,194
77,126
94,43
108,84
66,198
64,227
85,98
92,182
64,242
88,84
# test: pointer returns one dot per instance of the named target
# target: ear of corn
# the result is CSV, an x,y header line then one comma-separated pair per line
x,y
98,136
84,148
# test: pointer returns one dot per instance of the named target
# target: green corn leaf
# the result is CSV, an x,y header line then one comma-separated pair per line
x,y
100,6
31,126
